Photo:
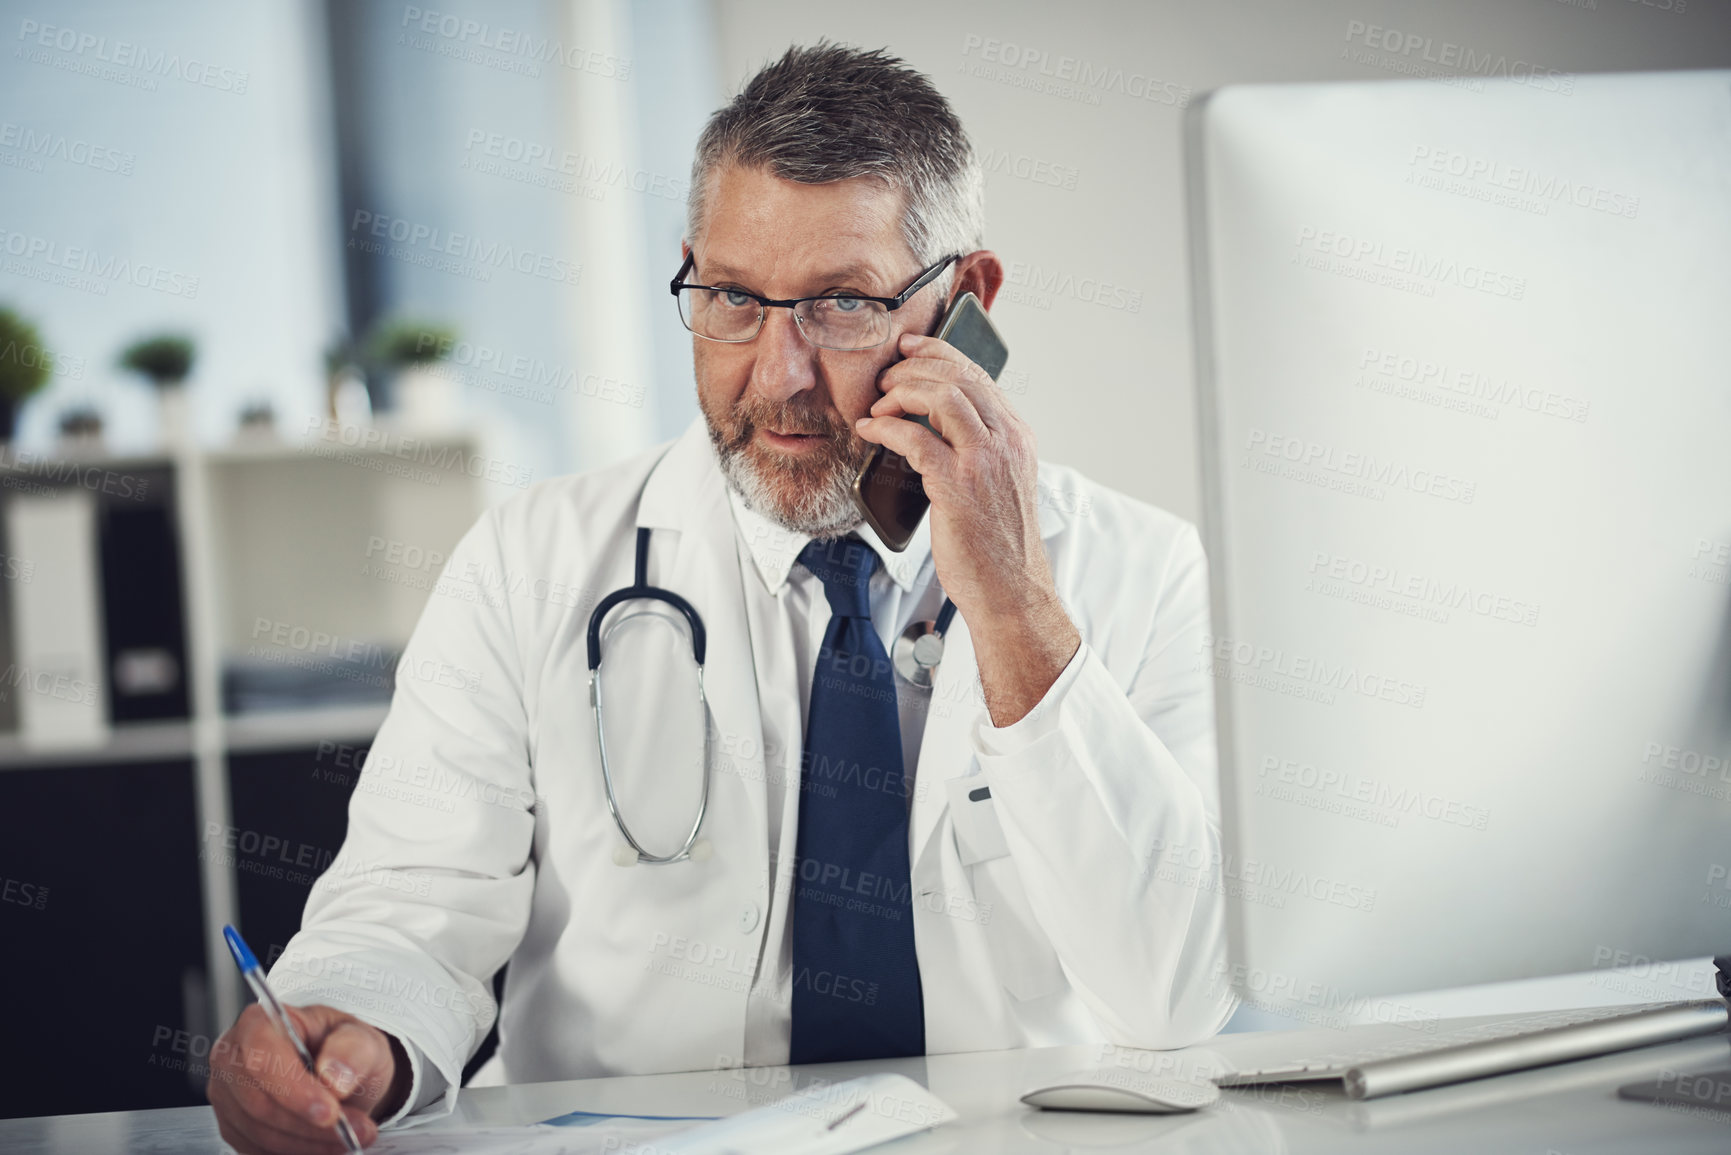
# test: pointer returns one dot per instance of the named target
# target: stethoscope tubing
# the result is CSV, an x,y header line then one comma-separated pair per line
x,y
643,855
640,588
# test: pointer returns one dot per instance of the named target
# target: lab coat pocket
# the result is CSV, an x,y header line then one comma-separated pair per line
x,y
978,835
1025,960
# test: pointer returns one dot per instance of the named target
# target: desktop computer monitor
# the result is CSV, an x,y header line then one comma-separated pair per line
x,y
1464,355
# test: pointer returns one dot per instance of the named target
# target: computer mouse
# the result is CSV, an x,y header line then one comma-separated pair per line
x,y
1123,1091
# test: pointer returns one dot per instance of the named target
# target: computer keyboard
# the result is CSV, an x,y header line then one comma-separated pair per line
x,y
1510,1028
1475,1050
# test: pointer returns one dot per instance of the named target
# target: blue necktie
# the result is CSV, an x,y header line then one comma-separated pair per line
x,y
856,978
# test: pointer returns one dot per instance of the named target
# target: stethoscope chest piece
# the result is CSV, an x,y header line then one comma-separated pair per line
x,y
918,652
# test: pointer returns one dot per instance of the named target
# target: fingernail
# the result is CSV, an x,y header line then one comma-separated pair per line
x,y
320,1113
339,1076
861,421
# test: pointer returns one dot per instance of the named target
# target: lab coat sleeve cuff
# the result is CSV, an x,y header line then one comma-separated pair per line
x,y
997,741
427,1081
426,1085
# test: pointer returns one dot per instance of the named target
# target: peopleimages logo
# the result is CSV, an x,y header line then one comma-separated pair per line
x,y
1401,799
98,52
1461,387
1718,879
45,258
479,366
1069,77
1275,990
48,145
438,457
1041,285
1371,257
538,157
1278,668
1459,59
418,239
512,44
1035,170
1349,470
1542,187
1252,878
1380,579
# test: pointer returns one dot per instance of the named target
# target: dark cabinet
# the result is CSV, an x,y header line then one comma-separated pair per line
x,y
101,939
290,811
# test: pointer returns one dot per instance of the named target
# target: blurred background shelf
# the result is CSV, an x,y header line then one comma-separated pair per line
x,y
133,742
242,733
253,574
288,729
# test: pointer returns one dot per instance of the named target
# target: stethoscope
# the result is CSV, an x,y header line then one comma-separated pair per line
x,y
915,657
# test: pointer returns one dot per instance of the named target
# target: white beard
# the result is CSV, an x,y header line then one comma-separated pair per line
x,y
822,510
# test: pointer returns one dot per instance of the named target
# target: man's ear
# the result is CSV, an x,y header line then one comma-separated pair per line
x,y
684,249
979,273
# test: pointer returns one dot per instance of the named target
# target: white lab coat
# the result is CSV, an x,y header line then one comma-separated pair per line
x,y
1081,902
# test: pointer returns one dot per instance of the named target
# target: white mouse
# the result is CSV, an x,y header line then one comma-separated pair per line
x,y
1123,1091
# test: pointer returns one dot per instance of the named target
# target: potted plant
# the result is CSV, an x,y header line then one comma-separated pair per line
x,y
257,423
25,366
347,399
403,351
165,361
80,430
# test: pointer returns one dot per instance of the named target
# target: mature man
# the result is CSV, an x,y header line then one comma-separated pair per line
x,y
1025,853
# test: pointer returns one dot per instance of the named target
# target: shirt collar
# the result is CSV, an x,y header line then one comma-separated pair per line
x,y
774,548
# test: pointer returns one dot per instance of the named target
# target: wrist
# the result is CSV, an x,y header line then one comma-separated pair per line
x,y
1020,657
1038,615
402,1081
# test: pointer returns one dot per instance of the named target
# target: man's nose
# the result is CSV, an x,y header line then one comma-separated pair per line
x,y
786,362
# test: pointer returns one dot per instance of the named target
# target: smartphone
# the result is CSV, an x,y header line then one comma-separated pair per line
x,y
888,492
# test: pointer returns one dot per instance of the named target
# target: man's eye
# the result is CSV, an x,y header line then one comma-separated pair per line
x,y
843,304
735,300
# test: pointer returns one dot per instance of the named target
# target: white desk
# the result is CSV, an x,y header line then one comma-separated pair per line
x,y
1570,1109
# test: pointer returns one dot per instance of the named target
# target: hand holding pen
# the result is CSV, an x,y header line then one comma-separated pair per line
x,y
300,1079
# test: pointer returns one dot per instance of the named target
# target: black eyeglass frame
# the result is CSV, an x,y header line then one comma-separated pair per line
x,y
890,304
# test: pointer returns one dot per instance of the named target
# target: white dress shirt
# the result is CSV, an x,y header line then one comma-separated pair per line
x,y
788,615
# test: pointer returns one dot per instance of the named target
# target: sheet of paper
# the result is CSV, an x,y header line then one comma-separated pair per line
x,y
823,1119
617,1136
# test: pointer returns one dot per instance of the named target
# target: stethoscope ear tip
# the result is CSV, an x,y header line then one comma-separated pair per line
x,y
624,856
701,850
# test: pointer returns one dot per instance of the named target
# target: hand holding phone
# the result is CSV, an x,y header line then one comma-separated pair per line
x,y
888,492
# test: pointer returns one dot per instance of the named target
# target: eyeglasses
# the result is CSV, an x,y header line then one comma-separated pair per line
x,y
835,321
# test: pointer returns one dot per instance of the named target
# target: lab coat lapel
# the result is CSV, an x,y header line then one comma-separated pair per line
x,y
687,494
946,750
957,704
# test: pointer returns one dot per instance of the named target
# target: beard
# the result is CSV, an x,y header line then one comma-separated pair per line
x,y
809,492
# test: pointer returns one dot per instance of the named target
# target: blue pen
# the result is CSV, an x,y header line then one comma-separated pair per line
x,y
254,975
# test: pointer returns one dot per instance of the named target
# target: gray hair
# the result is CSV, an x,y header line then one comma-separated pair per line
x,y
828,113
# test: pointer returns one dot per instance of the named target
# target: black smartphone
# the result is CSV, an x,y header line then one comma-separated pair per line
x,y
888,492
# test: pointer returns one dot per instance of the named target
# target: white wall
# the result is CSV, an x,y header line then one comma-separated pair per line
x,y
213,166
1107,388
